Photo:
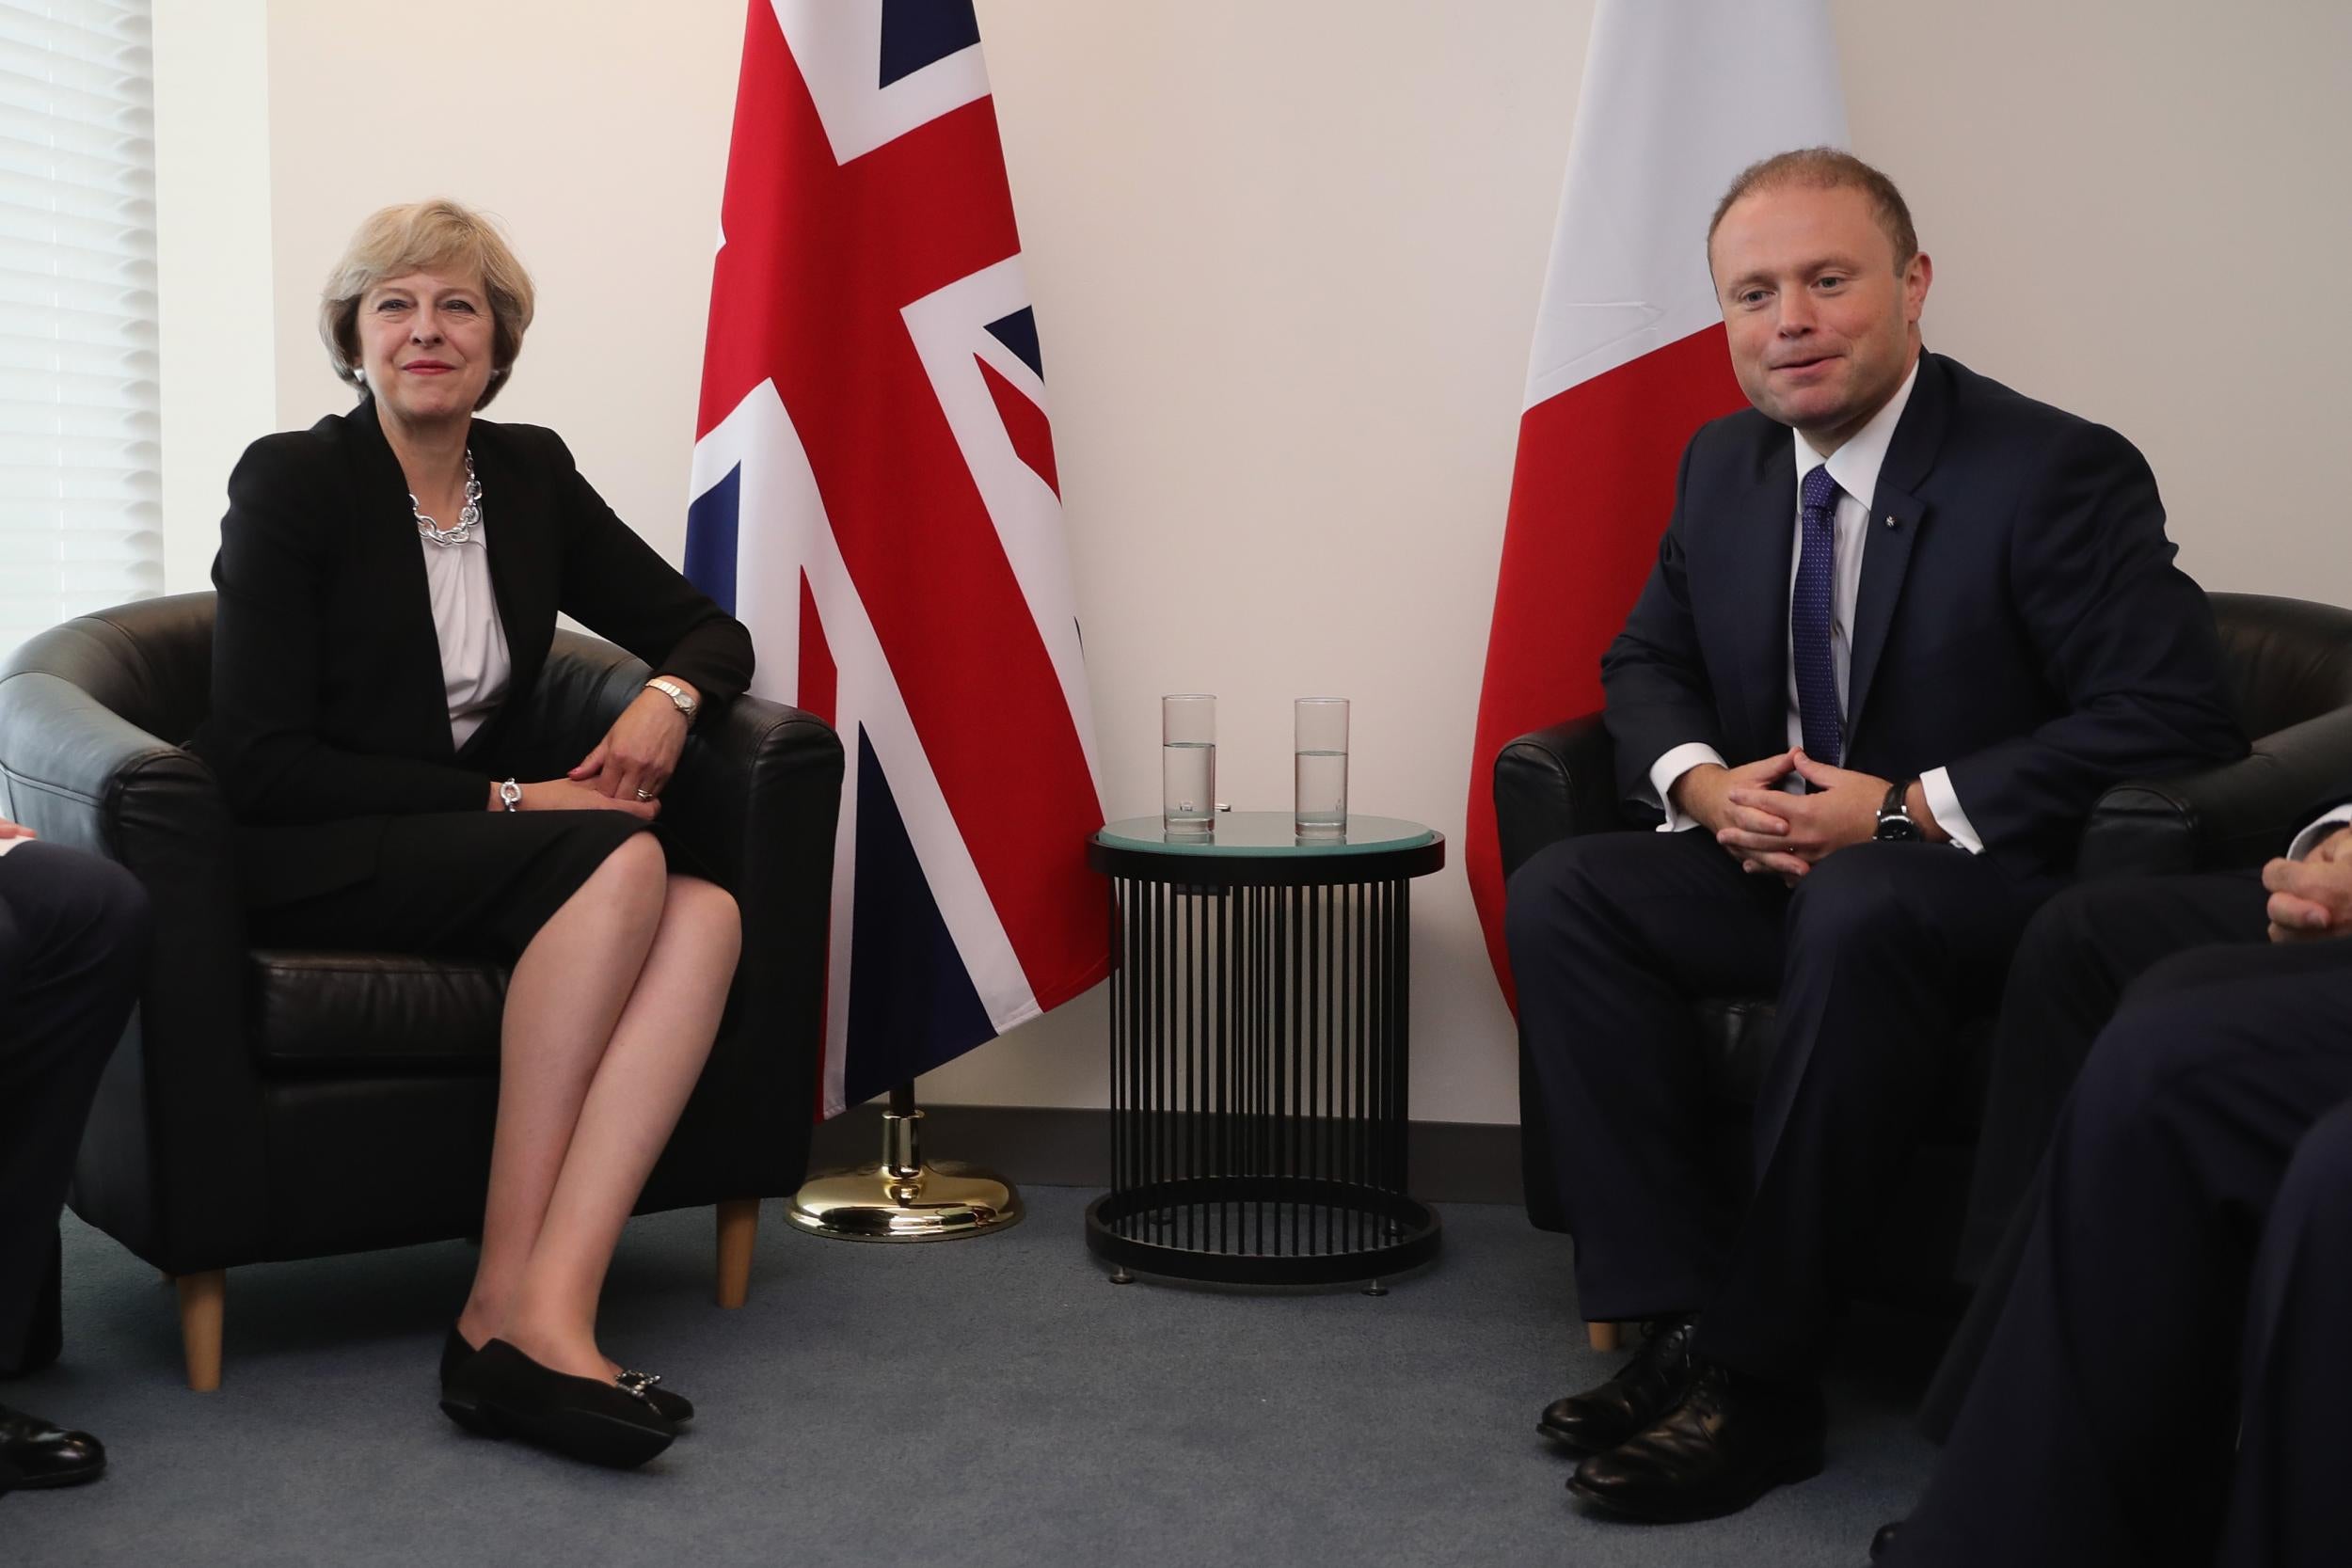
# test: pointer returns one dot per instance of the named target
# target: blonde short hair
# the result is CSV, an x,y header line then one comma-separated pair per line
x,y
426,236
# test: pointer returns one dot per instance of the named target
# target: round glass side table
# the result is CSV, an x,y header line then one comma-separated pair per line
x,y
1259,1051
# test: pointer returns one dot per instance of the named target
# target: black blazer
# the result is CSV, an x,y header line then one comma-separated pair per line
x,y
328,711
2019,621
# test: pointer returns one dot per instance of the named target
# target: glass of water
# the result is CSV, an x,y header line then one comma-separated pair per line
x,y
1188,765
1322,781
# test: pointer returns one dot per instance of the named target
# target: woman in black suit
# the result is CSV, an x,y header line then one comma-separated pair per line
x,y
388,582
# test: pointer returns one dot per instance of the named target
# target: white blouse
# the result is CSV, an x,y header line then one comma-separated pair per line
x,y
475,661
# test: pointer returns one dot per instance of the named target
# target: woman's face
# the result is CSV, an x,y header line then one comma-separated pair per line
x,y
424,343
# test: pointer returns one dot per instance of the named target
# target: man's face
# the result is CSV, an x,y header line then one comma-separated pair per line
x,y
1822,327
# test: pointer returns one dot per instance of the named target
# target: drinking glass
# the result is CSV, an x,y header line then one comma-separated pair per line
x,y
1320,807
1188,764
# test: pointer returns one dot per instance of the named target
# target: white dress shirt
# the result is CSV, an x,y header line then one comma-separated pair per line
x,y
475,665
1856,467
2308,839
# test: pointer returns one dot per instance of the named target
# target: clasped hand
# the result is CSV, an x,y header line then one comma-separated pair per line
x,y
2312,898
11,835
1770,830
628,768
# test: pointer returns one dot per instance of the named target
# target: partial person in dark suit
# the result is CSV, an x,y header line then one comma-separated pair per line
x,y
2078,959
389,581
73,939
2198,1193
1904,627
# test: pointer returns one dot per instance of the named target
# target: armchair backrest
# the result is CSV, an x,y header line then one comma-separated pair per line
x,y
2289,660
149,663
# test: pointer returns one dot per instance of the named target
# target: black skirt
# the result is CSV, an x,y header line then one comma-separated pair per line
x,y
475,884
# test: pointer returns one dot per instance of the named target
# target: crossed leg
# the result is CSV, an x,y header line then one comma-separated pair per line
x,y
610,1015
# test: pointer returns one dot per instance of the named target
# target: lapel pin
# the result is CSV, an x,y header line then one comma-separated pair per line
x,y
1890,522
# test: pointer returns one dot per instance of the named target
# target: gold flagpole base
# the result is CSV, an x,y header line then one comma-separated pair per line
x,y
903,1198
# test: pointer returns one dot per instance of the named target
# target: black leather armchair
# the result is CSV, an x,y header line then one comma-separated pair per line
x,y
2290,666
270,1105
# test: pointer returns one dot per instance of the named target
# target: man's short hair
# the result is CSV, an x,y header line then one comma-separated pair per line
x,y
1826,168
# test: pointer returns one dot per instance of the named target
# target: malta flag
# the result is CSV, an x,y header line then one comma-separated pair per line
x,y
1630,357
874,495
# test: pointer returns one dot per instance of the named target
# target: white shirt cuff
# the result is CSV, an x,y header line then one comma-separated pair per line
x,y
2308,839
1943,805
1666,770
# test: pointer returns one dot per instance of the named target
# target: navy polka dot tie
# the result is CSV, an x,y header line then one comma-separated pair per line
x,y
1810,611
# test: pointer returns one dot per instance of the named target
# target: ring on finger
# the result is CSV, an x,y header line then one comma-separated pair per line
x,y
644,794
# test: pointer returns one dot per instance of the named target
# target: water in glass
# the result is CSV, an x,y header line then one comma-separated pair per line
x,y
1322,796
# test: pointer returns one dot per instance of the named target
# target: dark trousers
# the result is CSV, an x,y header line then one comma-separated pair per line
x,y
2100,1424
1875,956
2288,1503
2081,952
74,936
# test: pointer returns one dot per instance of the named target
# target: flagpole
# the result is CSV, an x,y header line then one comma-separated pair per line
x,y
903,1198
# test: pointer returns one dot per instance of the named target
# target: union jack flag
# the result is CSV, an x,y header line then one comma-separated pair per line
x,y
874,495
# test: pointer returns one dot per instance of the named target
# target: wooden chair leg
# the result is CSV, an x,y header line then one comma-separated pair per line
x,y
738,1224
201,1298
1603,1336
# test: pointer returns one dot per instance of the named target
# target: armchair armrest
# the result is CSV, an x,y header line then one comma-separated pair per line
x,y
1554,783
2237,814
80,775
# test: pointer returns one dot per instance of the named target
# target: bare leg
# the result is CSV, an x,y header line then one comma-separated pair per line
x,y
650,1067
562,1004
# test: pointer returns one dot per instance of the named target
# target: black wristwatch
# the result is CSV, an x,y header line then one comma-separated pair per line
x,y
1894,823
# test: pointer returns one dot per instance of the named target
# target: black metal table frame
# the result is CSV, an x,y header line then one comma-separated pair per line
x,y
1259,1060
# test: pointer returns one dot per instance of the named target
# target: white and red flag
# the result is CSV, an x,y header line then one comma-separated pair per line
x,y
874,495
1629,359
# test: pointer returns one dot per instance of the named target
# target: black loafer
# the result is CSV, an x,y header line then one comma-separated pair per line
x,y
35,1452
1643,1389
1731,1440
676,1409
501,1392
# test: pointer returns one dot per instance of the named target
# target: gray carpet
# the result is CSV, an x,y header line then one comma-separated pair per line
x,y
976,1402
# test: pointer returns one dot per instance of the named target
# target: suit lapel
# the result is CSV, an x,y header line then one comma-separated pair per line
x,y
1765,547
386,543
1897,515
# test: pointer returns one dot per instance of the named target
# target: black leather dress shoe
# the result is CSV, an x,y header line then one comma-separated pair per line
x,y
501,1392
1643,1389
1731,1440
36,1451
1885,1540
676,1409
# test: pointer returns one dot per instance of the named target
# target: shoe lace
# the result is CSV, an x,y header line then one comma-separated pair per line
x,y
1661,1337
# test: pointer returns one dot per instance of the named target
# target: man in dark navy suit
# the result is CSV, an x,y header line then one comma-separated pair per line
x,y
1905,625
74,936
2197,1192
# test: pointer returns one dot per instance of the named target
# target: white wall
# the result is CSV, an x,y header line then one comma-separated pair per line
x,y
218,384
1285,259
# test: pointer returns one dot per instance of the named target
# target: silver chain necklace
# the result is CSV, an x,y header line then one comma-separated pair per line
x,y
469,518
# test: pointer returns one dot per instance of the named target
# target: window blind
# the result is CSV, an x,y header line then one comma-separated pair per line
x,y
80,501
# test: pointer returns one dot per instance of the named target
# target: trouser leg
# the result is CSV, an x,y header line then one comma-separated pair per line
x,y
2079,951
1886,944
74,932
2100,1425
2289,1506
1611,937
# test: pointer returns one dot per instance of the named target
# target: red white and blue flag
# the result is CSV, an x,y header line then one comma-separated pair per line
x,y
1630,357
874,495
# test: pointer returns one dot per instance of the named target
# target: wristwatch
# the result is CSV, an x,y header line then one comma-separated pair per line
x,y
1894,823
511,794
683,699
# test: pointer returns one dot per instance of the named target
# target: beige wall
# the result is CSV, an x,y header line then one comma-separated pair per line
x,y
1285,259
